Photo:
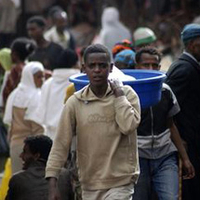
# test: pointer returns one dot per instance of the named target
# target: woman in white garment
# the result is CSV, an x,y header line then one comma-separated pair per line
x,y
20,111
112,31
54,89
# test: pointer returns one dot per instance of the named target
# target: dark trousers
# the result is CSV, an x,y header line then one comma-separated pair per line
x,y
191,187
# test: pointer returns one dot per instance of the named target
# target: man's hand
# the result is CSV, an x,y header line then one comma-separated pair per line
x,y
116,86
53,191
188,169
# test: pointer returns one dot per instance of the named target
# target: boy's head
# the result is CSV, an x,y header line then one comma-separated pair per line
x,y
35,148
60,20
96,48
21,48
50,17
148,58
97,64
35,27
68,59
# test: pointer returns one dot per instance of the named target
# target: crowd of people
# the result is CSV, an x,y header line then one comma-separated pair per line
x,y
98,143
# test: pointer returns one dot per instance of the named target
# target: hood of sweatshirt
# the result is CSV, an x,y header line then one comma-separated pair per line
x,y
86,94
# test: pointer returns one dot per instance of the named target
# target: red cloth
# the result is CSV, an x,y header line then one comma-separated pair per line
x,y
12,81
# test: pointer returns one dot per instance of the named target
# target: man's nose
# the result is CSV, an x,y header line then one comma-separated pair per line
x,y
151,67
97,68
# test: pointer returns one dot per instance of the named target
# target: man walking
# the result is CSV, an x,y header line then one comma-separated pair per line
x,y
183,77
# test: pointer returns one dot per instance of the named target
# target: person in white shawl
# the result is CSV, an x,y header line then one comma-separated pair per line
x,y
113,30
20,111
54,90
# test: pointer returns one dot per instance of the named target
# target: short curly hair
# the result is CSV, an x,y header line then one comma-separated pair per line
x,y
96,48
39,144
23,47
67,59
39,20
149,50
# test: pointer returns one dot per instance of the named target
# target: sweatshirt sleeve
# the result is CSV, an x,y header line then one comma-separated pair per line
x,y
127,110
62,142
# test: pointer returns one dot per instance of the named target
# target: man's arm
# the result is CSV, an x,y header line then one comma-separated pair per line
x,y
127,108
175,136
53,189
60,148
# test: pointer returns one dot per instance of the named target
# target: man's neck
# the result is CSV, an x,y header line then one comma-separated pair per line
x,y
99,91
190,55
61,32
42,43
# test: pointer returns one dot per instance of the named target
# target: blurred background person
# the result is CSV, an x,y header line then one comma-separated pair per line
x,y
50,16
59,32
46,52
112,30
54,89
82,21
143,36
122,45
183,77
5,66
29,183
20,108
21,48
159,140
28,10
125,59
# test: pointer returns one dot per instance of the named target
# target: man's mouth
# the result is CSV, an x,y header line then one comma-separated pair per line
x,y
97,78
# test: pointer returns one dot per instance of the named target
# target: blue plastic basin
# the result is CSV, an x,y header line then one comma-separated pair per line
x,y
147,85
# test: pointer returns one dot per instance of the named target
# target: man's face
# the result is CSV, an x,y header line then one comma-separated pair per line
x,y
27,157
34,31
195,48
61,21
97,68
149,62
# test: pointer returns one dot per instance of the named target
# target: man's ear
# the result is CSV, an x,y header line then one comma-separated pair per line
x,y
111,67
36,156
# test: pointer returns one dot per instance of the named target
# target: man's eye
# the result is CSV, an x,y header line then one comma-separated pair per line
x,y
91,66
103,65
155,65
146,64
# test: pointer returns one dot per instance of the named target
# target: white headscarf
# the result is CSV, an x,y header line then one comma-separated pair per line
x,y
110,16
26,95
113,30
